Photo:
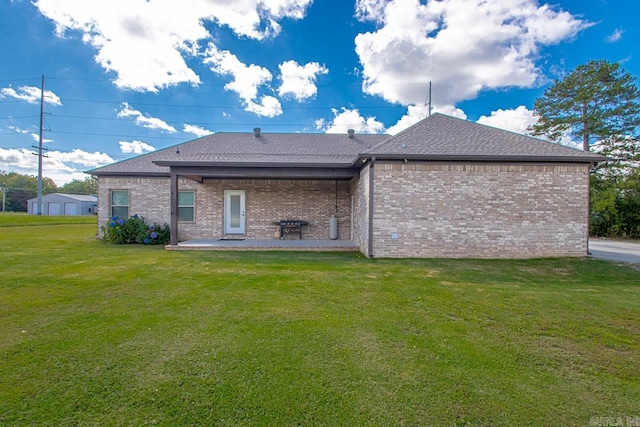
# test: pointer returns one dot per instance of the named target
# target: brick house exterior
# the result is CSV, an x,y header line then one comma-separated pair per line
x,y
444,187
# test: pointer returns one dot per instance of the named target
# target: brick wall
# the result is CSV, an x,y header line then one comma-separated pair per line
x,y
148,197
360,191
266,201
476,210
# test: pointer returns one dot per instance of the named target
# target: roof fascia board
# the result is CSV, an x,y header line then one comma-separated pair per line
x,y
248,165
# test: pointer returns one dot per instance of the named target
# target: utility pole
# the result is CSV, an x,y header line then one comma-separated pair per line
x,y
40,148
4,197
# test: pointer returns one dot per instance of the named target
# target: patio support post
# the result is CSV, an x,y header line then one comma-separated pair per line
x,y
371,165
173,241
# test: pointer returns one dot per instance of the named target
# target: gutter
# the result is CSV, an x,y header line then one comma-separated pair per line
x,y
594,158
370,240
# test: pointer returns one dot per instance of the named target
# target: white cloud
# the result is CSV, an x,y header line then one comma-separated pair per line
x,y
30,94
62,167
517,120
144,120
16,129
145,42
135,147
36,138
298,81
415,113
246,80
615,36
196,130
267,107
462,46
345,119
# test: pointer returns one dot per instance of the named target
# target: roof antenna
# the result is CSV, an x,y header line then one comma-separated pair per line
x,y
428,100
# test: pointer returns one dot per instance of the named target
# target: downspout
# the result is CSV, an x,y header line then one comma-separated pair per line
x,y
371,165
173,227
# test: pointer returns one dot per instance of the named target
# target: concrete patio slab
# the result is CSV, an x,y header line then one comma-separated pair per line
x,y
265,245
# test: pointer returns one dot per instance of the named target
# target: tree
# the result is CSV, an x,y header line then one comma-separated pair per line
x,y
21,188
615,205
88,186
596,102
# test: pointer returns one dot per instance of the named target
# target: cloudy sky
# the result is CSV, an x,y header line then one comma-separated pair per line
x,y
125,77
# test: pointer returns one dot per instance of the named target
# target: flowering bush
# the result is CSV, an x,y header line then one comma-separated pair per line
x,y
135,230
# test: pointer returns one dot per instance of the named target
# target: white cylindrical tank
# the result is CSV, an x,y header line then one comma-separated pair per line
x,y
333,227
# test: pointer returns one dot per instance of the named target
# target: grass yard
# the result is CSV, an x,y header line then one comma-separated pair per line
x,y
97,334
15,219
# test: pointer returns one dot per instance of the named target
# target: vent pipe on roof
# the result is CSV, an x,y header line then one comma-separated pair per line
x,y
351,132
256,132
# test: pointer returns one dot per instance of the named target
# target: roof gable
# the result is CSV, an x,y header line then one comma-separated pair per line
x,y
441,137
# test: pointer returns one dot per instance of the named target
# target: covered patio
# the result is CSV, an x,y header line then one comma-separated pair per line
x,y
264,245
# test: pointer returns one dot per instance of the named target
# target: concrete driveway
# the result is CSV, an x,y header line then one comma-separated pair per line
x,y
615,250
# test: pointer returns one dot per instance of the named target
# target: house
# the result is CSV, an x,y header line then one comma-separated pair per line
x,y
444,187
64,204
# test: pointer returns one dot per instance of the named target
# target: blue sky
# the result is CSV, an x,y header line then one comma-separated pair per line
x,y
125,77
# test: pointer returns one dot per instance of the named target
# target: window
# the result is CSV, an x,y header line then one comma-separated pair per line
x,y
186,206
120,203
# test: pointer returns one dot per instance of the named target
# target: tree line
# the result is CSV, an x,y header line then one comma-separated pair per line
x,y
19,188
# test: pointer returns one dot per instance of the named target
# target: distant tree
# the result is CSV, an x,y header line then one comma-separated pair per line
x,y
21,188
624,153
615,205
596,102
87,186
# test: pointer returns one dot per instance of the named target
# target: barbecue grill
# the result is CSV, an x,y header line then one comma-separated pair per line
x,y
289,225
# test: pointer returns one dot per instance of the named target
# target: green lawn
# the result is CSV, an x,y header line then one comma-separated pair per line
x,y
14,219
97,334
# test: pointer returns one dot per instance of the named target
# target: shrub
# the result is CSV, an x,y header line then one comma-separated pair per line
x,y
135,230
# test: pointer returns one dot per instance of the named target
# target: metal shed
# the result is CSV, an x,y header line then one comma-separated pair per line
x,y
64,204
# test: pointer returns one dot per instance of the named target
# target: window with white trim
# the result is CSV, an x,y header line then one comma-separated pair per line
x,y
186,206
120,203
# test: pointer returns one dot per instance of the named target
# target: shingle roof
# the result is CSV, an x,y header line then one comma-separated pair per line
x,y
270,149
437,137
441,137
76,197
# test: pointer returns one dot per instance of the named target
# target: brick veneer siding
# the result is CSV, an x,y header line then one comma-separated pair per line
x,y
273,200
480,210
148,197
266,201
360,201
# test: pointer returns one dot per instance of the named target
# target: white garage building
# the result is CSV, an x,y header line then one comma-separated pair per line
x,y
64,204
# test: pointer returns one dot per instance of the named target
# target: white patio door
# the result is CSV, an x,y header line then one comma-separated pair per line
x,y
234,203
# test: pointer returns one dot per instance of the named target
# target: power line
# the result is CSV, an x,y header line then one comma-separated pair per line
x,y
117,135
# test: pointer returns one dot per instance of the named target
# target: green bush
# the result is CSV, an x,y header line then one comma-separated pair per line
x,y
135,230
615,206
